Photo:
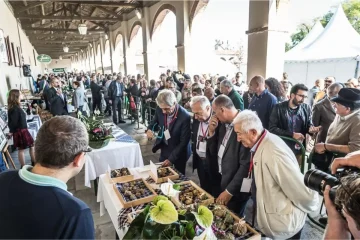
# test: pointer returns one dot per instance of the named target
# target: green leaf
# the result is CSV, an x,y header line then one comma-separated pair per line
x,y
182,212
137,225
158,198
190,230
176,238
204,217
164,212
176,187
153,230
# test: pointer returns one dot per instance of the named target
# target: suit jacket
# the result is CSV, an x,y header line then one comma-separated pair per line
x,y
234,165
112,91
323,115
58,105
178,148
95,91
195,129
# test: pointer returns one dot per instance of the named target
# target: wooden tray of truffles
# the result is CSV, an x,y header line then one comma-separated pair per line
x,y
190,194
120,175
163,174
134,192
227,225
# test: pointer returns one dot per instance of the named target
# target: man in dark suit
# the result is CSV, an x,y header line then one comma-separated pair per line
x,y
57,99
324,113
229,159
115,91
96,94
173,138
201,108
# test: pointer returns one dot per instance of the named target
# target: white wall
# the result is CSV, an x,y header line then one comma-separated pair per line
x,y
11,76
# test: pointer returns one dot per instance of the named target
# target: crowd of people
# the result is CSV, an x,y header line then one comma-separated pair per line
x,y
234,132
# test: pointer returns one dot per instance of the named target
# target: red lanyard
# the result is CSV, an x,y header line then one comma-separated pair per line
x,y
173,120
202,130
253,153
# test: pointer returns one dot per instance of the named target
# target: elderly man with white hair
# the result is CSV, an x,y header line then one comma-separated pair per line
x,y
201,108
275,181
227,88
173,124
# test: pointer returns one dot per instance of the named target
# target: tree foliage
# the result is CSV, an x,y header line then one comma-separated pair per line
x,y
352,12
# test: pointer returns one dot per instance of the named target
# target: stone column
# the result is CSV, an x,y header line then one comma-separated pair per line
x,y
182,30
101,54
94,54
125,47
112,49
149,61
266,38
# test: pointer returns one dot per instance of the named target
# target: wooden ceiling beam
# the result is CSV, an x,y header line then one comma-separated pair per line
x,y
49,42
55,35
30,6
104,4
67,18
112,13
26,28
49,14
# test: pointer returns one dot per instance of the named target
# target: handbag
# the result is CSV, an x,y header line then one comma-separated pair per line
x,y
132,103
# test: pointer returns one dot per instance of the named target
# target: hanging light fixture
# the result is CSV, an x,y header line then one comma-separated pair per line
x,y
82,26
66,49
138,13
60,58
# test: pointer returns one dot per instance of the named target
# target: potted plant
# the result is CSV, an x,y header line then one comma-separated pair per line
x,y
99,134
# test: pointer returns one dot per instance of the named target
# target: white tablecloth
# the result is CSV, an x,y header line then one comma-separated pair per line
x,y
110,202
116,155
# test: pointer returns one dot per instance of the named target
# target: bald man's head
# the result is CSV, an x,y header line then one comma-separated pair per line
x,y
209,93
257,84
333,90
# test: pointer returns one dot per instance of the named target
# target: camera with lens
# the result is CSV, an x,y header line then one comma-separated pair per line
x,y
317,180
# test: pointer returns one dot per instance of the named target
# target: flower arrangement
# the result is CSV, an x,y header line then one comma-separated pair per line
x,y
99,134
161,220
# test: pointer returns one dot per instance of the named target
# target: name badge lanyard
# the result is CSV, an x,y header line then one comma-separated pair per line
x,y
227,135
204,134
173,120
253,153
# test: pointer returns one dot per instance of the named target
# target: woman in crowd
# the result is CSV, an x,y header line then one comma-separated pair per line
x,y
143,95
275,87
208,84
78,97
18,127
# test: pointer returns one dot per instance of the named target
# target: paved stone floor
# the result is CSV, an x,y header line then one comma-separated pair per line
x,y
103,225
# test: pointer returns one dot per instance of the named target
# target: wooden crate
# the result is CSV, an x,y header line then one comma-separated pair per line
x,y
206,202
164,179
136,202
121,179
256,235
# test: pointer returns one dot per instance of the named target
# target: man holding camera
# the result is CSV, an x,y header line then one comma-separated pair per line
x,y
343,225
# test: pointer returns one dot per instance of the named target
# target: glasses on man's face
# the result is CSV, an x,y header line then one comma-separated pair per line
x,y
302,96
328,81
87,150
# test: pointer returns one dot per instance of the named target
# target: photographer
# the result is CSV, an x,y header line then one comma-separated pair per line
x,y
347,196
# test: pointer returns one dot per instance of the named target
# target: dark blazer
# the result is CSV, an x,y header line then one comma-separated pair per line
x,y
195,129
235,162
178,149
58,106
112,91
95,90
323,114
279,119
16,119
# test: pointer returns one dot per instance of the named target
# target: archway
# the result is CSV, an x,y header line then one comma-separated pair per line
x,y
135,60
107,58
163,42
216,50
118,55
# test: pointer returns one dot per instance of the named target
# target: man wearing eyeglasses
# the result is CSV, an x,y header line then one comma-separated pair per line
x,y
173,138
35,202
293,119
322,94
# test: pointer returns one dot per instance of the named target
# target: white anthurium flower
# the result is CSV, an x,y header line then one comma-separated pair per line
x,y
168,190
207,234
97,112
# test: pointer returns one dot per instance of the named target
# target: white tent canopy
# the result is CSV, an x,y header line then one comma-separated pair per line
x,y
334,52
338,40
310,38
